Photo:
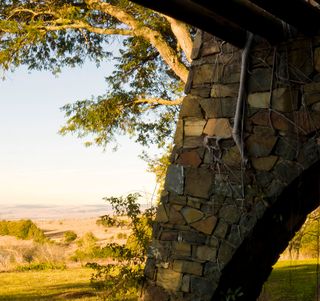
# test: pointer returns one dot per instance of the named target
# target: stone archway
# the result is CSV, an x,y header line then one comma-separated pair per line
x,y
223,220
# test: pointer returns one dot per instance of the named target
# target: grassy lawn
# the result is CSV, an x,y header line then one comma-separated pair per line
x,y
292,281
69,284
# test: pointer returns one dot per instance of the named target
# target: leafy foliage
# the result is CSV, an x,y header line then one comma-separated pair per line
x,y
69,236
22,229
150,65
122,278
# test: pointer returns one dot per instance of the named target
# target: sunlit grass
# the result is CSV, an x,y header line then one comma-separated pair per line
x,y
68,284
292,281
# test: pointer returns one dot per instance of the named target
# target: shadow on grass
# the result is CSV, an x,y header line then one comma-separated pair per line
x,y
296,282
70,291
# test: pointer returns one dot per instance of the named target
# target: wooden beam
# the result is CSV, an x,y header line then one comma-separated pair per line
x,y
298,13
248,16
200,17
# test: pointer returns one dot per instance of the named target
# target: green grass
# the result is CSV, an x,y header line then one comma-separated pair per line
x,y
292,281
69,284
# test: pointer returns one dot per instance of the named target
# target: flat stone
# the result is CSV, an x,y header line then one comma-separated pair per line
x,y
230,214
287,148
306,122
316,58
189,158
205,225
199,182
175,217
185,286
210,48
203,287
263,130
206,253
193,142
316,107
301,60
161,216
178,137
219,107
189,267
190,107
287,171
264,163
264,117
285,99
182,249
260,80
197,45
194,126
191,215
204,74
260,146
194,202
169,235
221,229
312,88
219,128
168,279
232,157
201,91
175,179
310,99
230,90
226,252
193,237
259,100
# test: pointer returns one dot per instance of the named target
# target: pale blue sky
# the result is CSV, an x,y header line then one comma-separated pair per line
x,y
39,166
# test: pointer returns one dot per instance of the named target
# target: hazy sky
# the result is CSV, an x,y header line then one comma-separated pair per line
x,y
39,166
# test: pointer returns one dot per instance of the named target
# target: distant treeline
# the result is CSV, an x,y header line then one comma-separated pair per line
x,y
22,229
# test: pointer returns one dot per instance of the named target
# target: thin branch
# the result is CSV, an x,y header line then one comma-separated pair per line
x,y
160,101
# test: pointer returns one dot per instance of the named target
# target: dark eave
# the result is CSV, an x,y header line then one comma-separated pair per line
x,y
231,19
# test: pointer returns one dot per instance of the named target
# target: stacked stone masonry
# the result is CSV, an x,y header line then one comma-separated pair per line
x,y
212,199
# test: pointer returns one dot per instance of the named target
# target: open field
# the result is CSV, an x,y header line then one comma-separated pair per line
x,y
68,284
292,281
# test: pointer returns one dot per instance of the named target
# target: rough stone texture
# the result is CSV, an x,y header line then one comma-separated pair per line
x,y
188,267
205,225
191,215
199,182
194,126
219,215
170,280
219,128
175,179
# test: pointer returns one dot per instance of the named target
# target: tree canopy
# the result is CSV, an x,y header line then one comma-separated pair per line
x,y
151,53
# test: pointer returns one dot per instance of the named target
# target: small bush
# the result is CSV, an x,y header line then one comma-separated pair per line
x,y
122,235
69,236
22,229
41,266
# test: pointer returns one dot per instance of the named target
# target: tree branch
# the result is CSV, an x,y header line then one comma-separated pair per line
x,y
154,37
160,101
181,31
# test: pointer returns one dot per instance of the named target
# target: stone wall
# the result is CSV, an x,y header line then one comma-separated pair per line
x,y
217,212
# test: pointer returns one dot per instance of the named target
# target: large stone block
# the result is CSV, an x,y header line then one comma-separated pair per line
x,y
189,158
218,127
260,146
219,107
219,90
191,107
271,119
191,215
205,253
168,279
194,126
189,267
230,214
161,216
264,163
205,225
260,80
199,182
175,179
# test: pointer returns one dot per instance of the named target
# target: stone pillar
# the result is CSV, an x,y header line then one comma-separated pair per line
x,y
221,219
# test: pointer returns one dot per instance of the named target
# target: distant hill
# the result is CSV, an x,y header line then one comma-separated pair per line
x,y
35,211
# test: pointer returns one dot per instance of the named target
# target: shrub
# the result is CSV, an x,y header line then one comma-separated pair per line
x,y
22,229
122,277
69,236
41,266
122,235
